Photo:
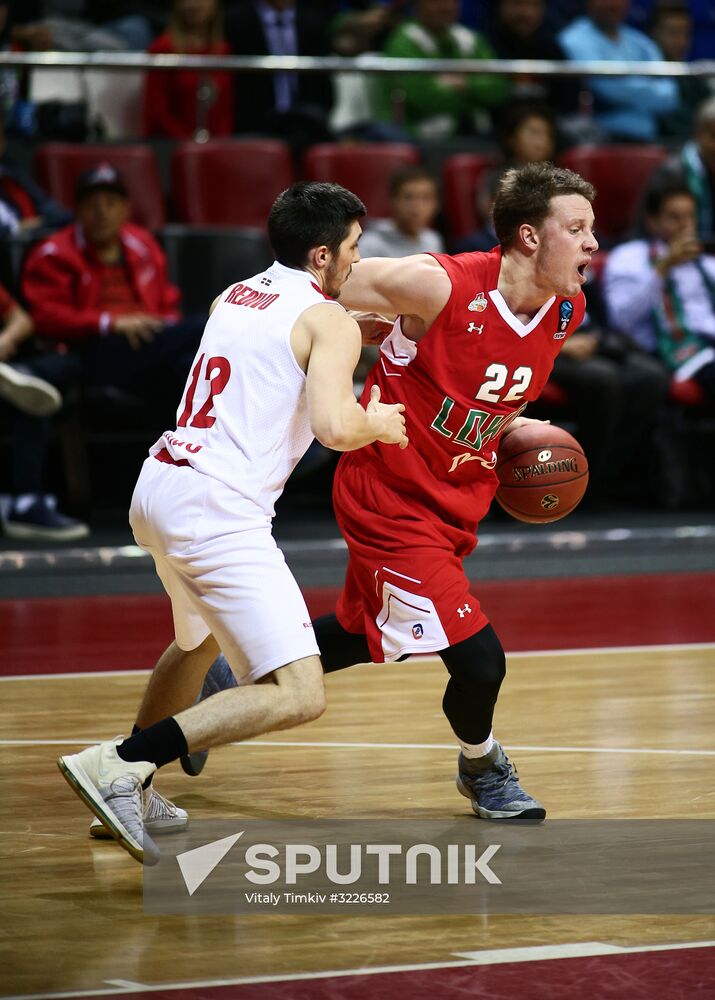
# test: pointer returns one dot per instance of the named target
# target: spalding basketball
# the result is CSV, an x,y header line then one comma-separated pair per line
x,y
543,473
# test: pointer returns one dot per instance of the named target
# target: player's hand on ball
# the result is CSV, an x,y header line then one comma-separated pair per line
x,y
391,423
523,422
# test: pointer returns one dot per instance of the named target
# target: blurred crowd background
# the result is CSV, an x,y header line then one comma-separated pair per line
x,y
130,199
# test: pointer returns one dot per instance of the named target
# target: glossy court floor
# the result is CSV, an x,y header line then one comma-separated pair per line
x,y
607,710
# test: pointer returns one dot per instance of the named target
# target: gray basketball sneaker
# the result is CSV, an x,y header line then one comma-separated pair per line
x,y
495,792
160,816
220,677
112,789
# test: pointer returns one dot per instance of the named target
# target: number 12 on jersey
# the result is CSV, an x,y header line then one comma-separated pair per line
x,y
216,372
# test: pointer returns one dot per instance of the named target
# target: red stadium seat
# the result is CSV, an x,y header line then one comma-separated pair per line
x,y
462,175
364,169
688,393
58,165
619,174
229,182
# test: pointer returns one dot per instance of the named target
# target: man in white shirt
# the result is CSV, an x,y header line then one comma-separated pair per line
x,y
660,291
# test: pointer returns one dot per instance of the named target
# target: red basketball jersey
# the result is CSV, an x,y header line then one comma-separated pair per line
x,y
462,384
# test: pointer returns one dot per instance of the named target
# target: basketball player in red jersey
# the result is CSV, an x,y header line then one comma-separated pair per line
x,y
475,342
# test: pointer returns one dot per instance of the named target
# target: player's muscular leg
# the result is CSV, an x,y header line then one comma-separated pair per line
x,y
175,681
477,667
289,696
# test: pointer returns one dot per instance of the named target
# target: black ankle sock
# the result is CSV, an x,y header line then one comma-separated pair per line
x,y
145,784
160,743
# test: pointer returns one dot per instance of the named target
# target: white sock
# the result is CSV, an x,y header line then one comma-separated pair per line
x,y
473,750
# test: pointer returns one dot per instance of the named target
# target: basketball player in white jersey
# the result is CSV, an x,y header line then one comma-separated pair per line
x,y
273,371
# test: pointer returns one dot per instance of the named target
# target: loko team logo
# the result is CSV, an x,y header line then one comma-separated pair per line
x,y
417,631
478,304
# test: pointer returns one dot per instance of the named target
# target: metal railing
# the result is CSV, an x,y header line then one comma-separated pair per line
x,y
368,63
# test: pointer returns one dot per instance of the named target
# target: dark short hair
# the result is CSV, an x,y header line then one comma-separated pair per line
x,y
663,8
657,195
524,195
515,116
311,214
405,175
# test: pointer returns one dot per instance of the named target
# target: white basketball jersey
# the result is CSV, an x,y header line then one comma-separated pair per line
x,y
243,418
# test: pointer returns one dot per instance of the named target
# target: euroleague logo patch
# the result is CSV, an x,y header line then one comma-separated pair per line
x,y
417,631
565,314
550,501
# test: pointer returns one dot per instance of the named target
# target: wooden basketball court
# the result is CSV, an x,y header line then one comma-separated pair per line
x,y
596,733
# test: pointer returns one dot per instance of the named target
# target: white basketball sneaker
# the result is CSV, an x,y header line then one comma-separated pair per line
x,y
112,789
160,816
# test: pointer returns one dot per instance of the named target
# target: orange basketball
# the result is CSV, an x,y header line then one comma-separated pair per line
x,y
543,473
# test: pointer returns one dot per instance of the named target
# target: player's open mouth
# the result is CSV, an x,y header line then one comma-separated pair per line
x,y
582,268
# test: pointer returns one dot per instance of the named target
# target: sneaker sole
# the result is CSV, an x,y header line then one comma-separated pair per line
x,y
99,831
15,529
194,763
535,814
29,394
80,783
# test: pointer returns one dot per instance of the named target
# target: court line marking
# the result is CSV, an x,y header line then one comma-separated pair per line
x,y
334,745
587,651
497,956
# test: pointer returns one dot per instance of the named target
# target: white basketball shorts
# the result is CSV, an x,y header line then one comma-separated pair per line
x,y
221,567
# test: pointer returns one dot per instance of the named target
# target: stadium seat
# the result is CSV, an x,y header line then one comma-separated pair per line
x,y
462,175
203,260
58,165
687,393
229,182
364,169
619,174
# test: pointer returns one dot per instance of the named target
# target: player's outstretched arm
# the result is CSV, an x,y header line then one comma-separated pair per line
x,y
417,285
336,418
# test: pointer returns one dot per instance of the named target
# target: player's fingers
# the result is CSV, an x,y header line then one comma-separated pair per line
x,y
375,394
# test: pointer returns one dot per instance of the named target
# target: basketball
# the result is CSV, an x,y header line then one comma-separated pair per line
x,y
543,473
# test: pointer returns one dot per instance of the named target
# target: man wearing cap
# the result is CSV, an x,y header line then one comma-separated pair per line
x,y
101,287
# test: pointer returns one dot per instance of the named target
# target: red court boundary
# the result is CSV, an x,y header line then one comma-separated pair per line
x,y
678,974
122,632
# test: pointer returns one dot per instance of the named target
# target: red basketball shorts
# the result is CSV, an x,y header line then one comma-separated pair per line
x,y
405,586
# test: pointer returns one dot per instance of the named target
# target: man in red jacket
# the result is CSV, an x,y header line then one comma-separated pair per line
x,y
101,287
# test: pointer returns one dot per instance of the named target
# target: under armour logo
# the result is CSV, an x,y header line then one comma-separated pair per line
x,y
473,326
466,610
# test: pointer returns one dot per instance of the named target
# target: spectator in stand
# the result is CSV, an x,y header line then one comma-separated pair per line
x,y
293,106
672,30
617,394
449,103
694,167
189,103
414,203
23,204
32,381
627,108
79,25
528,134
100,286
517,31
661,290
